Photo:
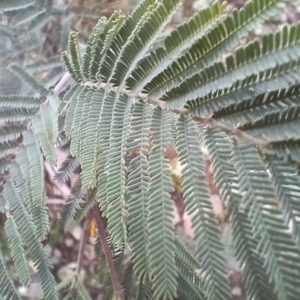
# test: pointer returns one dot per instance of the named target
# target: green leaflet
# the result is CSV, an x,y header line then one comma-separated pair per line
x,y
28,175
267,221
147,30
8,287
72,204
18,101
208,49
73,117
67,168
27,231
225,178
279,125
116,168
285,180
138,182
279,77
161,249
287,149
17,251
102,55
174,45
90,140
276,50
190,285
197,199
28,79
104,144
259,106
120,39
73,58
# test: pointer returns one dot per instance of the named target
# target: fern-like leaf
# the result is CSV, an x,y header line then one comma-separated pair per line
x,y
276,126
27,231
207,235
120,39
279,77
225,178
190,284
67,169
28,79
147,30
17,251
161,247
89,136
255,108
72,204
8,289
286,184
138,182
276,49
267,221
175,44
208,49
116,170
17,101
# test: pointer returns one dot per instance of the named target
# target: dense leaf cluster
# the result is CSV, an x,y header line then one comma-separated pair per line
x,y
130,95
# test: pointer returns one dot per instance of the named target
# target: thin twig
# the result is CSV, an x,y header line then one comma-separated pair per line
x,y
62,82
83,241
105,247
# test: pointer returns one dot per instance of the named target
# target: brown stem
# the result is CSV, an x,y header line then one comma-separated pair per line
x,y
83,241
113,272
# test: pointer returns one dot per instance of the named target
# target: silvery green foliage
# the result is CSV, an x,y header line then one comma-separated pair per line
x,y
132,95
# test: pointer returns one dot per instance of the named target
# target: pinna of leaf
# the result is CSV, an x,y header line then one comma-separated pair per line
x,y
131,94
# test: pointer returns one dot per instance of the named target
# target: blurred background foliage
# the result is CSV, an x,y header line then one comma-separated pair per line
x,y
33,36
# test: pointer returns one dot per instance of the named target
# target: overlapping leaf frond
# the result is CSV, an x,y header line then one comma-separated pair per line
x,y
254,108
161,249
275,50
168,73
276,126
175,44
190,285
138,182
254,85
119,117
24,194
27,229
208,49
254,272
285,180
267,221
198,203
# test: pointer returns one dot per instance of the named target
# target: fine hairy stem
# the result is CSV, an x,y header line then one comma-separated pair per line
x,y
105,247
